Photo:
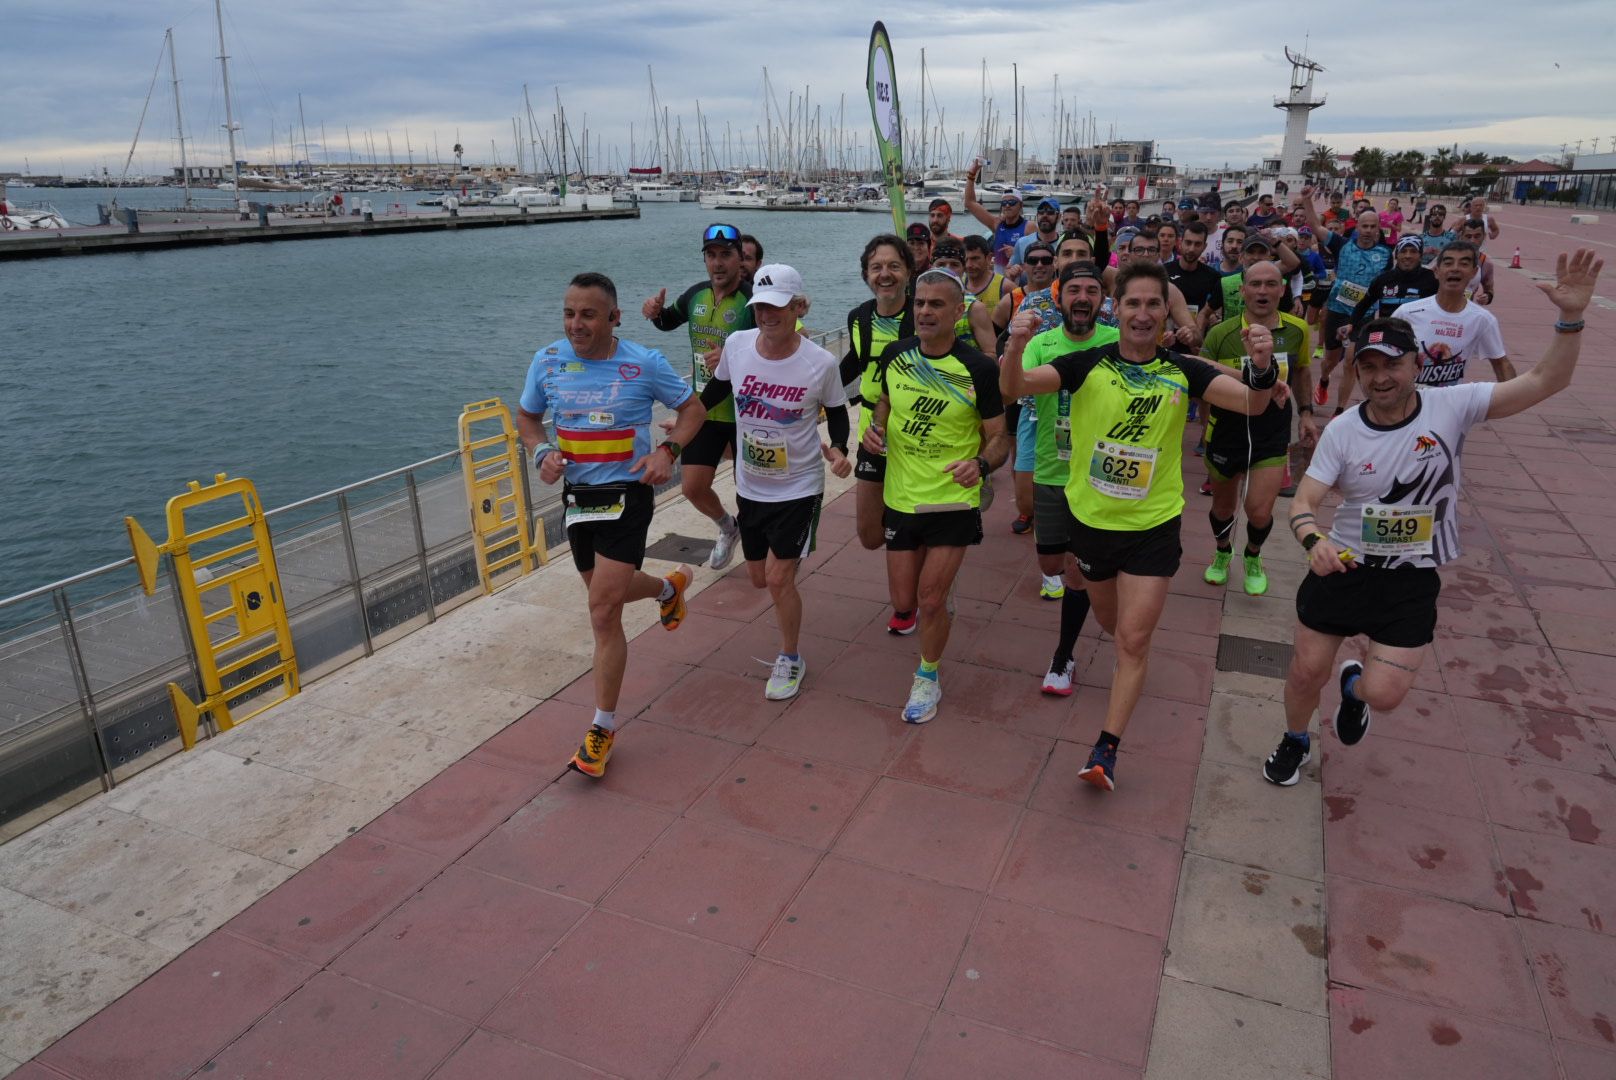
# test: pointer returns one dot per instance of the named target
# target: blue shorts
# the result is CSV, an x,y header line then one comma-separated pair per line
x,y
1027,439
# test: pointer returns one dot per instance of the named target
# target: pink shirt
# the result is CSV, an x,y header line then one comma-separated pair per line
x,y
1391,222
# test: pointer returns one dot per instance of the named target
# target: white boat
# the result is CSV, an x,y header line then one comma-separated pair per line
x,y
525,196
259,182
745,196
654,191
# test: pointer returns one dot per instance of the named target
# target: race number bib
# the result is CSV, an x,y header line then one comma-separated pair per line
x,y
1397,530
1121,471
763,453
583,508
1351,292
1063,427
699,378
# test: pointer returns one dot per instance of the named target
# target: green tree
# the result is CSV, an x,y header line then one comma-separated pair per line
x,y
1369,165
1321,162
1442,163
1473,157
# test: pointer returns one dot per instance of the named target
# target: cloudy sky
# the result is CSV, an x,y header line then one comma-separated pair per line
x,y
1510,78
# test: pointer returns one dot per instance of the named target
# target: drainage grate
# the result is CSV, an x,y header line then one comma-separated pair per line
x,y
679,548
1253,656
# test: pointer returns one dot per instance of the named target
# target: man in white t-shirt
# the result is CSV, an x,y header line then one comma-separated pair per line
x,y
1451,329
780,381
1394,459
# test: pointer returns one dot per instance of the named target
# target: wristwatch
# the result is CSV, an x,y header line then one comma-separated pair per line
x,y
542,451
982,466
1310,539
1304,408
672,448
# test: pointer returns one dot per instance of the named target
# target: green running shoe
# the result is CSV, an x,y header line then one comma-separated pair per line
x,y
1256,580
1218,572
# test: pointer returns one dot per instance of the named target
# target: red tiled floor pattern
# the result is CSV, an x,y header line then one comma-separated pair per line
x,y
812,889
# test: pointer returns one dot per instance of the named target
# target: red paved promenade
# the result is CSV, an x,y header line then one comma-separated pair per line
x,y
813,890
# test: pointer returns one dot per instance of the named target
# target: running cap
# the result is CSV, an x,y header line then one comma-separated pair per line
x,y
776,285
1390,337
1009,197
1081,269
1125,235
721,234
918,231
1410,242
1049,203
1256,240
1186,203
936,272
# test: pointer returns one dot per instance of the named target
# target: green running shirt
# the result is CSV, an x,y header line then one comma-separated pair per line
x,y
868,335
1053,411
710,323
938,405
1293,347
1127,434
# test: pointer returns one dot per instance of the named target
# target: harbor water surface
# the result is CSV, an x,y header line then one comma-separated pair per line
x,y
308,365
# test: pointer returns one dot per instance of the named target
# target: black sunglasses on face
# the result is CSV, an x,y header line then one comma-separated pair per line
x,y
1042,260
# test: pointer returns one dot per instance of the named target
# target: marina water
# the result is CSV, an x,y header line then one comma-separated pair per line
x,y
310,364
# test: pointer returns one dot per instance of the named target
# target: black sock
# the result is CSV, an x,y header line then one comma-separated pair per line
x,y
1074,609
1108,739
1222,529
1255,537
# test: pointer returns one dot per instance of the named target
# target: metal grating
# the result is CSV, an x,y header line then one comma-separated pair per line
x,y
676,547
1253,656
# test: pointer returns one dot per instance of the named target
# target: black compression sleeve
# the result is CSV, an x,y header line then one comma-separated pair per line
x,y
715,391
840,427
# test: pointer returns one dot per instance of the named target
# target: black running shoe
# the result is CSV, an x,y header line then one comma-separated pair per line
x,y
1284,765
1352,715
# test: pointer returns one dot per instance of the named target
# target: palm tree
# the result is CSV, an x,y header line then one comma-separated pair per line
x,y
1442,164
1321,162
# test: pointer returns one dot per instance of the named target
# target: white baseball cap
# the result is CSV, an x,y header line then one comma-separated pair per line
x,y
775,284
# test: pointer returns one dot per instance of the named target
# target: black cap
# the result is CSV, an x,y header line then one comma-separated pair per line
x,y
1392,337
1257,240
1082,269
918,231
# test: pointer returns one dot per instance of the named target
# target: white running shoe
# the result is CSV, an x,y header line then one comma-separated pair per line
x,y
1059,682
923,698
785,679
724,547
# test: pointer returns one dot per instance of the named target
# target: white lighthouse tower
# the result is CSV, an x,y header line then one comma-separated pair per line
x,y
1297,106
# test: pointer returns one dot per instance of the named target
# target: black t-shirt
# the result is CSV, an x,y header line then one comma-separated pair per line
x,y
1391,290
1199,286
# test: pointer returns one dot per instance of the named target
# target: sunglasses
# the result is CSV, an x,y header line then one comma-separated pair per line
x,y
1041,260
721,232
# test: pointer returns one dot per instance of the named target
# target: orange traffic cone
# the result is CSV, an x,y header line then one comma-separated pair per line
x,y
1515,259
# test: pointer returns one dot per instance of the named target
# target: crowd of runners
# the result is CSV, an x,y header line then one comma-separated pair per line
x,y
1076,347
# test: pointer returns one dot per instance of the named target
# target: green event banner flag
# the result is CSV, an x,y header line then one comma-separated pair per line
x,y
882,82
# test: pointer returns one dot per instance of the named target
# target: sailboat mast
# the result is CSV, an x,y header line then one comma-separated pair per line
x,y
229,118
304,125
1015,86
179,118
923,128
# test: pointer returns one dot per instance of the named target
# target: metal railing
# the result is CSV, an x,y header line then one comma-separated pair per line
x,y
85,661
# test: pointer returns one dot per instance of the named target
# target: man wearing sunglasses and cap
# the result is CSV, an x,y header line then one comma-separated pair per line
x,y
1394,461
1046,222
1404,281
714,309
1008,227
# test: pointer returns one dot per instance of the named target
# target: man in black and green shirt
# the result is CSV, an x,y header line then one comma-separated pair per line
x,y
1126,493
1081,294
1255,447
940,422
714,309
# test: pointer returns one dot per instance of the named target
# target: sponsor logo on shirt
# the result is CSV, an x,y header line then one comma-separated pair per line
x,y
1424,445
698,310
629,371
1367,469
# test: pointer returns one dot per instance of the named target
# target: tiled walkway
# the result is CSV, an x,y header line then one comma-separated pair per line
x,y
812,890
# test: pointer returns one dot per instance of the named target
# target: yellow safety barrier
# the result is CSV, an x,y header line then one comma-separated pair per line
x,y
243,624
501,531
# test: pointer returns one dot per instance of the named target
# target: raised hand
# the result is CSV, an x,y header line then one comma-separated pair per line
x,y
1574,278
653,307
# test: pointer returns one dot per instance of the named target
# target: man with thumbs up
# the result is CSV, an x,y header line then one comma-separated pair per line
x,y
714,309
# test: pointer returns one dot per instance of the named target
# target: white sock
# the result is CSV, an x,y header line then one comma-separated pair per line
x,y
1052,580
606,720
667,591
727,523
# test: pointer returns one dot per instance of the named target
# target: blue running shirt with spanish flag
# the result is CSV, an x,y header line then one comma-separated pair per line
x,y
601,409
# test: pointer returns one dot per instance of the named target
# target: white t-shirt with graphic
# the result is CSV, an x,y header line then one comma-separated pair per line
x,y
1399,485
777,403
1448,341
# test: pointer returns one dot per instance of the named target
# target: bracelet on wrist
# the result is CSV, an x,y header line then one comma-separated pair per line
x,y
672,448
542,451
1305,409
1561,326
982,466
